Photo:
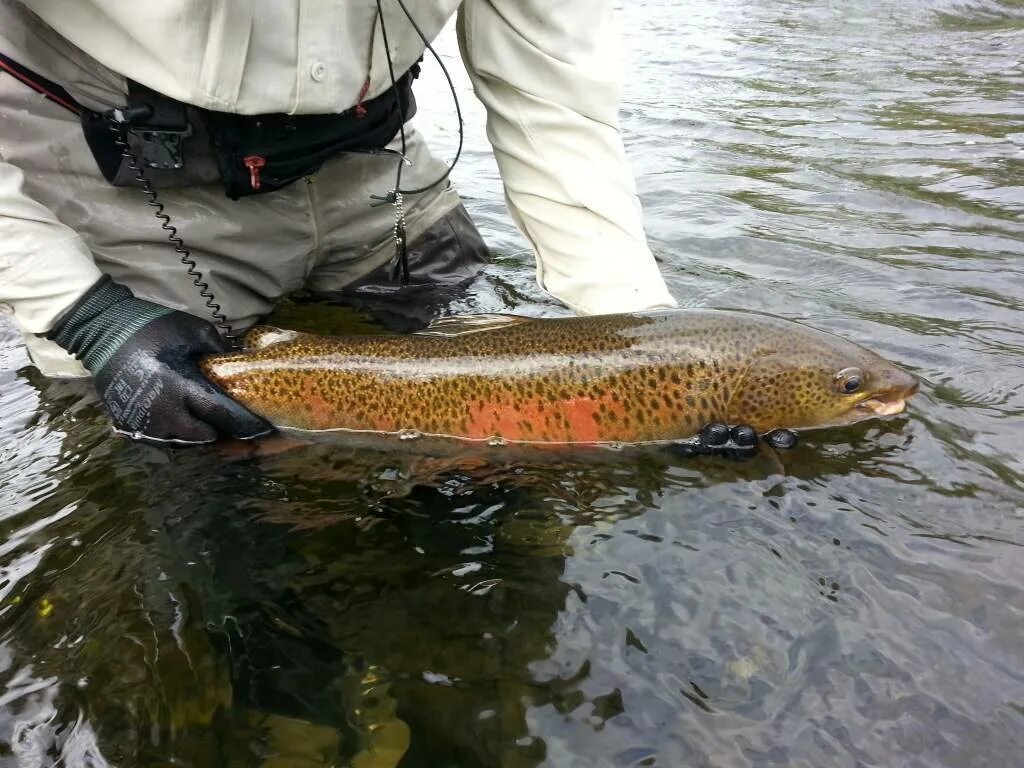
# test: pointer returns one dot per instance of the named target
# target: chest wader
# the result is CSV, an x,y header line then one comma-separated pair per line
x,y
255,154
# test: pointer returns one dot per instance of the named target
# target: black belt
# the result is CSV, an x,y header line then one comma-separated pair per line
x,y
255,153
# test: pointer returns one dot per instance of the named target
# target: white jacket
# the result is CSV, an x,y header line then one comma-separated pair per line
x,y
547,72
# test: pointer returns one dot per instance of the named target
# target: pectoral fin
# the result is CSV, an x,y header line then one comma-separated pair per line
x,y
264,335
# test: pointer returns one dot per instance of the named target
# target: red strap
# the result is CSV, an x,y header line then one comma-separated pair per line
x,y
39,84
360,109
254,163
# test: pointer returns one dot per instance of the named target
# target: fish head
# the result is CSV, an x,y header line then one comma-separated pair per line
x,y
805,379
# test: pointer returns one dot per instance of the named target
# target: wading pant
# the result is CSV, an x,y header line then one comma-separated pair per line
x,y
320,233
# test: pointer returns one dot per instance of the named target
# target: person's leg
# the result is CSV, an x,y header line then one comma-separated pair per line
x,y
251,252
358,248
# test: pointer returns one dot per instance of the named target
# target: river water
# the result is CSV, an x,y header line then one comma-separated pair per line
x,y
857,165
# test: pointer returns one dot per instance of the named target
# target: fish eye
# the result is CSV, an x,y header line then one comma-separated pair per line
x,y
849,380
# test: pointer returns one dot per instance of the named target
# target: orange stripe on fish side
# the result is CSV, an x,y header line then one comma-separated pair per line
x,y
575,420
311,409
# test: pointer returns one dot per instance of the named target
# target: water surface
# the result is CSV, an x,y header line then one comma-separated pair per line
x,y
854,165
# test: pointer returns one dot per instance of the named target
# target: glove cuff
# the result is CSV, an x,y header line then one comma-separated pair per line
x,y
102,321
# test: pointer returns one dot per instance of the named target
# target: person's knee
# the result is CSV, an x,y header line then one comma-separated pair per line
x,y
450,250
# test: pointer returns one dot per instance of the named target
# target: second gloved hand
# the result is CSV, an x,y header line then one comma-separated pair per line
x,y
739,443
144,362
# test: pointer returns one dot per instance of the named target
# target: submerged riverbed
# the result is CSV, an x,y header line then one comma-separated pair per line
x,y
858,166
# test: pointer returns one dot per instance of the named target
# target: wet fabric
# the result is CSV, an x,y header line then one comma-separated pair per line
x,y
320,232
548,76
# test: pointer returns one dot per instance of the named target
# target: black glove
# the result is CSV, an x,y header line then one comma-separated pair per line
x,y
143,358
739,443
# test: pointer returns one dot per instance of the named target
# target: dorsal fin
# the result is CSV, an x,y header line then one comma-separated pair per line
x,y
261,336
460,325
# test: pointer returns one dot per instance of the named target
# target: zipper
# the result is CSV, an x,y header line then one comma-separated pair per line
x,y
254,163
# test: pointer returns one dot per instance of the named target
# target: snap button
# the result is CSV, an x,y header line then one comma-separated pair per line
x,y
318,71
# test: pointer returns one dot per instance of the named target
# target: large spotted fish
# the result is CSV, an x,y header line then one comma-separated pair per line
x,y
611,379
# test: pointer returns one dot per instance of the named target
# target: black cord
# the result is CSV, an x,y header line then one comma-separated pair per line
x,y
398,98
117,125
398,101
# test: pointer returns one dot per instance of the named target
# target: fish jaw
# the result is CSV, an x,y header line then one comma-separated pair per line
x,y
891,399
877,407
783,392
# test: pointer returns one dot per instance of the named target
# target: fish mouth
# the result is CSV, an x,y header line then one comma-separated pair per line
x,y
887,403
882,407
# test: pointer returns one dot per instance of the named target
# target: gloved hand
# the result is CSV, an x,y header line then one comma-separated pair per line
x,y
143,358
739,443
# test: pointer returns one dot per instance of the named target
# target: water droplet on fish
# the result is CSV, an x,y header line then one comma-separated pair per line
x,y
409,434
497,442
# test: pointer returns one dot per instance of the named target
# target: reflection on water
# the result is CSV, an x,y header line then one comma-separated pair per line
x,y
854,165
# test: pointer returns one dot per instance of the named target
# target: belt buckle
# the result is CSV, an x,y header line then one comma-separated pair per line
x,y
162,148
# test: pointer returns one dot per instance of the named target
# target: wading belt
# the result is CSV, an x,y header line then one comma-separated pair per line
x,y
255,154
